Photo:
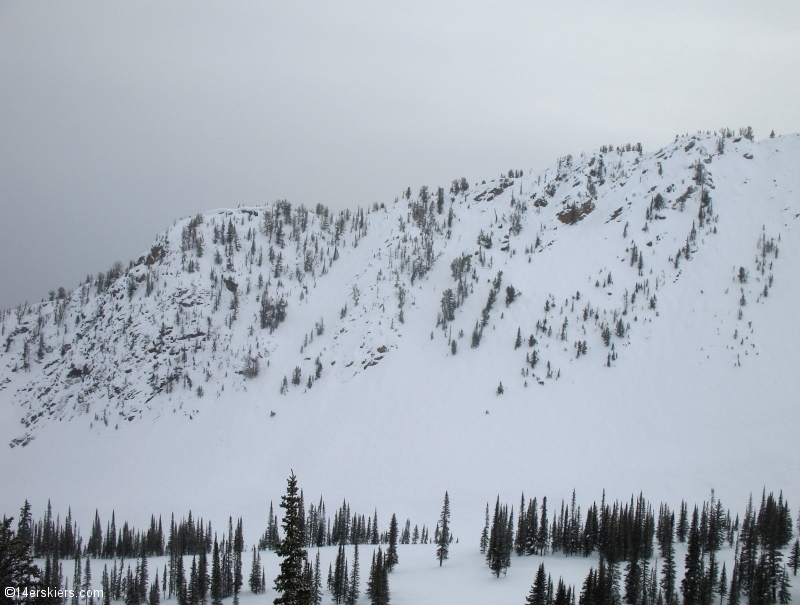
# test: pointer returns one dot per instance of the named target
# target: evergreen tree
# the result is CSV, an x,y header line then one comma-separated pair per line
x,y
748,553
378,583
498,555
317,594
203,577
562,597
104,583
238,546
683,522
338,582
761,587
723,583
25,526
289,584
532,524
784,596
216,576
143,579
375,538
193,588
636,575
17,569
87,580
794,557
588,591
543,535
76,578
153,598
353,589
538,593
668,572
691,583
391,552
443,546
131,590
522,530
255,573
485,533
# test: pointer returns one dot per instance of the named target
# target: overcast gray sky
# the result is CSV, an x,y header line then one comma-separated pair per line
x,y
118,117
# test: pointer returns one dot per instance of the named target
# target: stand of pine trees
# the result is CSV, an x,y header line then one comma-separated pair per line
x,y
345,527
623,535
202,566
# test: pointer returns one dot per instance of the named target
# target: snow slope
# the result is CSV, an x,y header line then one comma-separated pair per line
x,y
101,409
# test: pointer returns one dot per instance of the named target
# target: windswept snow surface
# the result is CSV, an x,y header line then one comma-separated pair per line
x,y
395,418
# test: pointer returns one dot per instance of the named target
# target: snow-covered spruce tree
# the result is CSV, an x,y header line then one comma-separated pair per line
x,y
290,583
443,545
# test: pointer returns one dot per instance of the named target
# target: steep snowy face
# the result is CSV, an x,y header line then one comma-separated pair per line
x,y
546,274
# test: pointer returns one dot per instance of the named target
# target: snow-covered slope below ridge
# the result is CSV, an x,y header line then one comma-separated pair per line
x,y
144,373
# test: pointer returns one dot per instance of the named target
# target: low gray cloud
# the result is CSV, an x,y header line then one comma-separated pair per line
x,y
116,118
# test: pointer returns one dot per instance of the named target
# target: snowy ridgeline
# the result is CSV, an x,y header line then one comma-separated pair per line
x,y
558,271
620,552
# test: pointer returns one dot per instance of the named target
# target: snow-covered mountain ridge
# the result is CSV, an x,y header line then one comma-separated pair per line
x,y
185,320
526,282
